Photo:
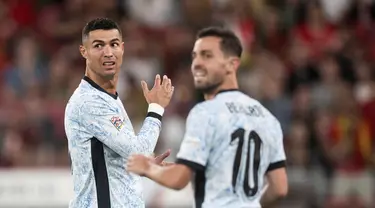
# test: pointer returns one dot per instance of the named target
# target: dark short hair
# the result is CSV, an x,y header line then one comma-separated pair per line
x,y
99,24
230,44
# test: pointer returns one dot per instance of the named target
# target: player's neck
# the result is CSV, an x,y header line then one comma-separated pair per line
x,y
109,85
230,85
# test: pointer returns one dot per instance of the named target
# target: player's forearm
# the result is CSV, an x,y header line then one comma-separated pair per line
x,y
148,136
126,143
167,176
150,130
270,197
161,175
167,164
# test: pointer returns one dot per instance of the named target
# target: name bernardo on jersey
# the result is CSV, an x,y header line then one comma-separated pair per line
x,y
247,110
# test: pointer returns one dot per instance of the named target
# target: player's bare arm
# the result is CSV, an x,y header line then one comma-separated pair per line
x,y
159,160
277,189
174,176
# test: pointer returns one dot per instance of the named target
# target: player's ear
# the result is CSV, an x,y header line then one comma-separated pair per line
x,y
83,51
235,63
122,47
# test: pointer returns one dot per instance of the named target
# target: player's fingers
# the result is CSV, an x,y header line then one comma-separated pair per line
x,y
144,87
168,85
160,158
157,81
166,154
165,81
171,92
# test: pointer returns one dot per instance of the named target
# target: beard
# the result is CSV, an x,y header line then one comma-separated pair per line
x,y
105,75
208,88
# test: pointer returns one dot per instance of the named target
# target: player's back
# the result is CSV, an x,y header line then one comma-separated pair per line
x,y
244,145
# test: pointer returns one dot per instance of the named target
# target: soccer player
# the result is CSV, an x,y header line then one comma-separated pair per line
x,y
100,134
231,141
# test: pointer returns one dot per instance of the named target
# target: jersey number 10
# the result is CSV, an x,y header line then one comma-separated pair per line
x,y
253,136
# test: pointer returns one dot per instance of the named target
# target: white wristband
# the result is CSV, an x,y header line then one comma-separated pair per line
x,y
156,108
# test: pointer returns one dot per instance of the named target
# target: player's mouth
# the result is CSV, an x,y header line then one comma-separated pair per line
x,y
109,63
199,74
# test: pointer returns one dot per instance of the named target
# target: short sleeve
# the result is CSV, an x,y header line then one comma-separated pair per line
x,y
277,155
195,147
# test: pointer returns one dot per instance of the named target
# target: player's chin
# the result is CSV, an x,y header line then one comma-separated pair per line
x,y
200,84
109,71
108,74
205,87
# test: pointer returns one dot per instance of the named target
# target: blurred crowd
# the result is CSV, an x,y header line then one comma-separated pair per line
x,y
311,63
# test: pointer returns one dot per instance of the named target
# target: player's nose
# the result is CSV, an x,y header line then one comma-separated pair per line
x,y
108,51
196,64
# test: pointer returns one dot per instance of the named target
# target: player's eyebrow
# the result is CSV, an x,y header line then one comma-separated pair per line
x,y
201,53
115,40
194,53
205,51
101,41
97,41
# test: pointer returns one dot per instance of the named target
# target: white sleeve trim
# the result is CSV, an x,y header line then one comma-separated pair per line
x,y
156,108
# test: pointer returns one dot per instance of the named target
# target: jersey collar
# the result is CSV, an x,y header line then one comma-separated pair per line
x,y
96,86
228,90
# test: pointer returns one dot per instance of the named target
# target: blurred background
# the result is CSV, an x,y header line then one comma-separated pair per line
x,y
311,63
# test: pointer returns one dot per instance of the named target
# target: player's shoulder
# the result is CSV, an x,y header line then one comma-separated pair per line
x,y
88,97
199,108
267,114
270,120
206,107
268,123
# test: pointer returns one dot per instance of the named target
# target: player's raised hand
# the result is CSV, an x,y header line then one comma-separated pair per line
x,y
161,93
138,164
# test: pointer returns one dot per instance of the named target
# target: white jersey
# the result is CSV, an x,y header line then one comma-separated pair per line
x,y
100,138
231,142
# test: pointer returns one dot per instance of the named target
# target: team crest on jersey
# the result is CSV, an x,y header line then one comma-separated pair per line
x,y
117,122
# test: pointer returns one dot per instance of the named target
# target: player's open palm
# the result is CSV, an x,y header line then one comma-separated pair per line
x,y
161,93
138,164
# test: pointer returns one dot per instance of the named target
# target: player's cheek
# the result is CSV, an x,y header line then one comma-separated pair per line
x,y
119,58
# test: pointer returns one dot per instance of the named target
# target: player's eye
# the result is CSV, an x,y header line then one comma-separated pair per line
x,y
115,44
98,45
207,56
